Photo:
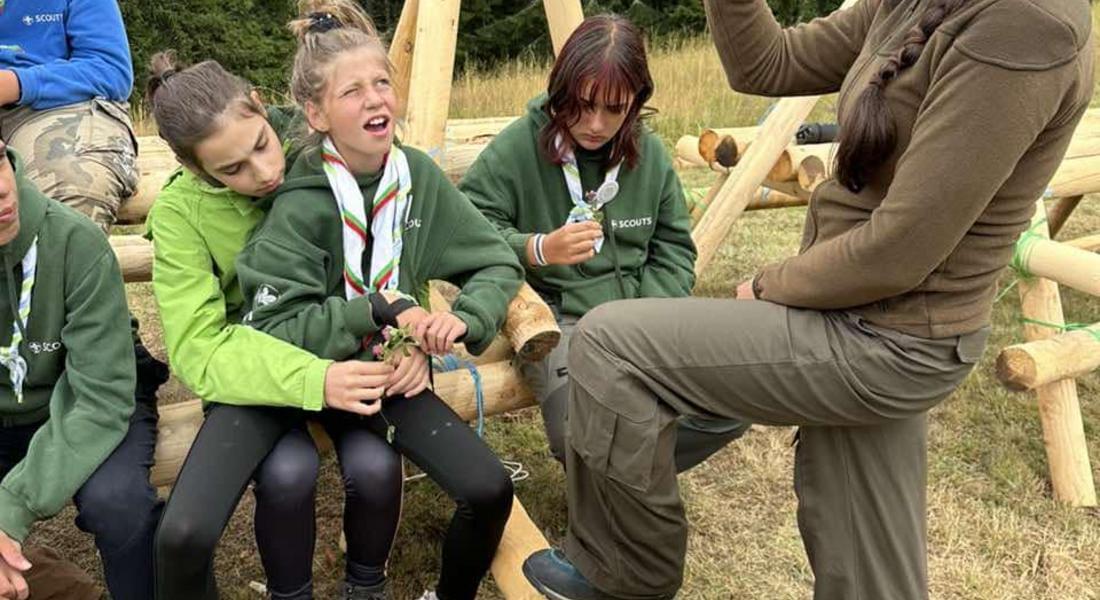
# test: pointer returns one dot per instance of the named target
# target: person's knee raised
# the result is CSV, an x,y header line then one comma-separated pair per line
x,y
490,495
289,474
369,475
114,501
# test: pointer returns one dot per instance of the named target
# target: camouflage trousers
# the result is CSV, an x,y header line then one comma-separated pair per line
x,y
82,154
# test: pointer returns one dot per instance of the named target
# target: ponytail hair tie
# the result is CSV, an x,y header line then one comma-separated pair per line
x,y
320,22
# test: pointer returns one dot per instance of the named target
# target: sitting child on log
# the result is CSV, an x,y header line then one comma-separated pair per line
x,y
359,227
588,201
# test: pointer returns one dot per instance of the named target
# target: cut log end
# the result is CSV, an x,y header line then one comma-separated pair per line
x,y
727,153
538,346
1016,369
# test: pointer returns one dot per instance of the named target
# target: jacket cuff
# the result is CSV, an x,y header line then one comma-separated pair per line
x,y
359,317
314,399
518,242
15,518
28,85
475,334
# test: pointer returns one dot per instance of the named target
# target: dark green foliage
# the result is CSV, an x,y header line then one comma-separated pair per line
x,y
249,37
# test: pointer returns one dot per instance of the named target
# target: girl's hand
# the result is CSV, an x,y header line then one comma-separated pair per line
x,y
571,244
356,386
411,375
438,332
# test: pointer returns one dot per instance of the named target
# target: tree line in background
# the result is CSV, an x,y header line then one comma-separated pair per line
x,y
249,37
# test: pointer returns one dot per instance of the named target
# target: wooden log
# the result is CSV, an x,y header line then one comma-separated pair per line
x,y
563,16
531,326
724,150
476,130
460,157
432,69
402,50
1061,263
774,136
503,386
1059,408
687,150
1090,243
135,257
765,198
790,161
521,539
1075,177
1058,215
710,137
1065,356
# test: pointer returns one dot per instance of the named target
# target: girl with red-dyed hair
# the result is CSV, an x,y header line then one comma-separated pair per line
x,y
587,198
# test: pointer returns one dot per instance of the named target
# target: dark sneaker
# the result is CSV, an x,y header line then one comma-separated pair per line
x,y
556,578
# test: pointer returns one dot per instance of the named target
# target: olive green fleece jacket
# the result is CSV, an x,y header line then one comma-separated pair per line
x,y
294,262
523,193
983,120
80,357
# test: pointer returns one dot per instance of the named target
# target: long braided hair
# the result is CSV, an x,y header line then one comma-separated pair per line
x,y
870,135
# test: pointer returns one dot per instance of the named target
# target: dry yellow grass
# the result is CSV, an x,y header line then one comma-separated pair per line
x,y
994,532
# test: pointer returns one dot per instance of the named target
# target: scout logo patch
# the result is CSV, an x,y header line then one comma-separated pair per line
x,y
265,295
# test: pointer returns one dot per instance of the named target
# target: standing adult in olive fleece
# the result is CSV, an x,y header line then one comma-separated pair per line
x,y
590,120
954,114
69,429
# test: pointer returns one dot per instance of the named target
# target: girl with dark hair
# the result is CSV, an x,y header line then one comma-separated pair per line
x,y
586,197
954,116
259,390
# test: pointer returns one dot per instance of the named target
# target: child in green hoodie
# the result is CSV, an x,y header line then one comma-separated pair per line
x,y
70,428
260,390
360,226
587,199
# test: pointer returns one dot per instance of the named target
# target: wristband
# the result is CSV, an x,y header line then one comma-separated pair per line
x,y
385,312
540,256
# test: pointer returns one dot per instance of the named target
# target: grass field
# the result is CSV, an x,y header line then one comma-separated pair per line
x,y
995,532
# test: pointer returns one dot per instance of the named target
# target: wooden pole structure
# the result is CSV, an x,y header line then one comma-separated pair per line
x,y
1061,263
1089,242
1065,356
135,257
766,198
774,136
1059,408
521,539
433,61
402,49
1075,177
1058,215
563,16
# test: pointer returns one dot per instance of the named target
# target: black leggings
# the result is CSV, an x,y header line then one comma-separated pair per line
x,y
433,437
236,444
426,430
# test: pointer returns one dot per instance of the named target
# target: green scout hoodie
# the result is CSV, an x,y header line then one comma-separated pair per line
x,y
523,193
80,359
198,230
294,264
